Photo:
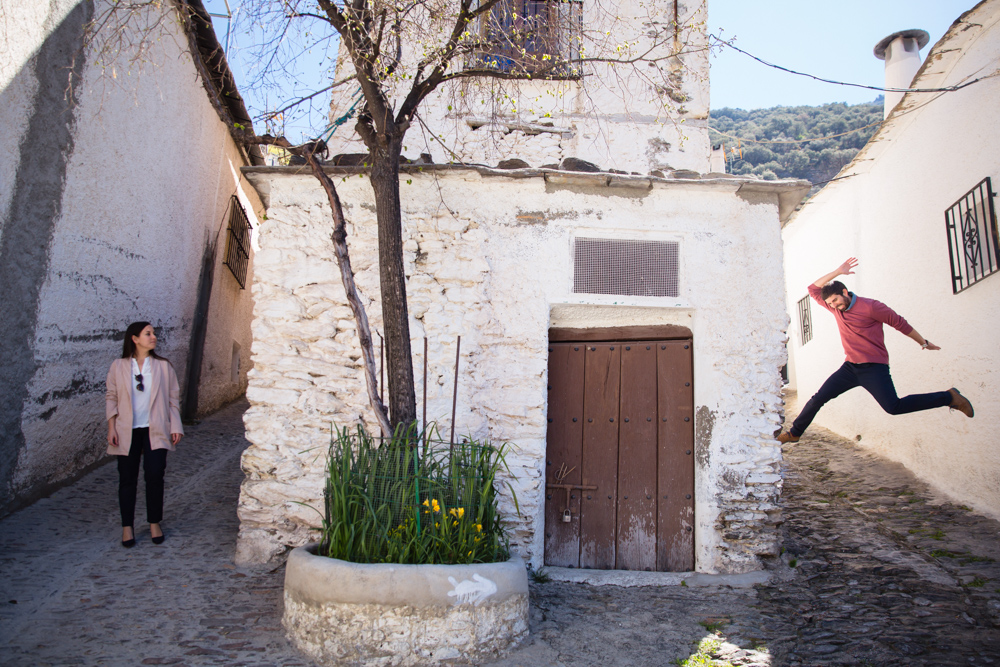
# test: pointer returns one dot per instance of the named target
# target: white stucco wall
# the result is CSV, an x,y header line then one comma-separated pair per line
x,y
147,181
891,214
617,116
497,270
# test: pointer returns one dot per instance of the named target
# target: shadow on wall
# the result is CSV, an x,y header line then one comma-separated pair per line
x,y
28,223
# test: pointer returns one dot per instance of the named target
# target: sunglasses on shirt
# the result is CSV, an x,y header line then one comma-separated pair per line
x,y
138,378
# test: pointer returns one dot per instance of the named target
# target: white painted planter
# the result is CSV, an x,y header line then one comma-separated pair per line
x,y
341,613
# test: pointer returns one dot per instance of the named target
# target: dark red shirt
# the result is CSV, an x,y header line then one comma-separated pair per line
x,y
861,327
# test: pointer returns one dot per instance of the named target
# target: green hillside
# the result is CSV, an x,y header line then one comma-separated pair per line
x,y
816,161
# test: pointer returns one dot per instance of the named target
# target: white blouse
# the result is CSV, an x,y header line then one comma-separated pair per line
x,y
140,399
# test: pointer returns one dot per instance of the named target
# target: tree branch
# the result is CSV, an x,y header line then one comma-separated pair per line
x,y
339,238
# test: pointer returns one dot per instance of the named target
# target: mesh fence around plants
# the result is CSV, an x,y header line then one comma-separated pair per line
x,y
412,500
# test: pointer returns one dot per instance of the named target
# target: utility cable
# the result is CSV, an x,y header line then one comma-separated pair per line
x,y
947,89
793,141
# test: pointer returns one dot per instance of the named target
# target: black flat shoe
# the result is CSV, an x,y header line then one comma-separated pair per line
x,y
159,540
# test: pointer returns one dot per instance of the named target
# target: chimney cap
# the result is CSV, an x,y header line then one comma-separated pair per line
x,y
920,35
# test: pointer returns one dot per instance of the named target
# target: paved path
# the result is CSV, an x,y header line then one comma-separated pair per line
x,y
876,571
71,595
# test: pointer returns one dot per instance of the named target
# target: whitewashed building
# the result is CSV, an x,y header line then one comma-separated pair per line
x,y
617,329
917,206
115,206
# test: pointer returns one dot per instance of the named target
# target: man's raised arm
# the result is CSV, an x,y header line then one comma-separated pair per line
x,y
842,270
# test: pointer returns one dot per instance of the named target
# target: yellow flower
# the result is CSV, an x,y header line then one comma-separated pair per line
x,y
470,553
454,523
457,512
437,525
435,506
426,503
479,527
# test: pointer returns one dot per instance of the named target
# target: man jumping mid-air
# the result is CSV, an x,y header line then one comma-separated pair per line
x,y
860,322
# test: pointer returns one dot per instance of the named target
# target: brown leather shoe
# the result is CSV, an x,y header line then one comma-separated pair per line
x,y
787,437
961,403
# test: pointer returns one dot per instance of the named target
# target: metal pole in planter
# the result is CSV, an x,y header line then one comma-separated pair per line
x,y
454,394
416,486
424,424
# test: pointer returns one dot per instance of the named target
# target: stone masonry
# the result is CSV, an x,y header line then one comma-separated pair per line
x,y
489,258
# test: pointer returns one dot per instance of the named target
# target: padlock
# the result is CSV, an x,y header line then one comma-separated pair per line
x,y
567,516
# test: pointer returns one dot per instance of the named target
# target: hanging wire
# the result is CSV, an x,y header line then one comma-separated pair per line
x,y
947,89
794,141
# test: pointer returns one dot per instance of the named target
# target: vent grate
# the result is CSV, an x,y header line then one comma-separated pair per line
x,y
627,268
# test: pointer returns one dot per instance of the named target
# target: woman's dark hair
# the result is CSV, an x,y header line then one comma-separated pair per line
x,y
128,345
836,287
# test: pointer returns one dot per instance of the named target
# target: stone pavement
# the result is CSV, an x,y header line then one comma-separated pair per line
x,y
876,571
71,595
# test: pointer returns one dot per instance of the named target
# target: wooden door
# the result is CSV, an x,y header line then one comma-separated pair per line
x,y
619,456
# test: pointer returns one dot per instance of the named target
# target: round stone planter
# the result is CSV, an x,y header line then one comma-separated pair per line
x,y
373,614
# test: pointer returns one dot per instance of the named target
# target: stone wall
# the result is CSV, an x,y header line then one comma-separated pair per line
x,y
110,203
489,258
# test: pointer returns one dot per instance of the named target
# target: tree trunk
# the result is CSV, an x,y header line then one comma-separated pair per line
x,y
392,274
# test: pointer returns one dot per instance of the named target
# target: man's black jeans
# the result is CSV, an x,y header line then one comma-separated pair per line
x,y
876,380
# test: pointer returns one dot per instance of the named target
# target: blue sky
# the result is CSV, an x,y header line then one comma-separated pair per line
x,y
833,40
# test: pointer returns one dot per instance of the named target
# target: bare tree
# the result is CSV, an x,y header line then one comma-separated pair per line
x,y
402,51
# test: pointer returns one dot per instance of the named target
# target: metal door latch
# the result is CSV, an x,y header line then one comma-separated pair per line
x,y
567,516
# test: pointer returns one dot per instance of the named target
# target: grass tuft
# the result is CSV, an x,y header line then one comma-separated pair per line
x,y
540,576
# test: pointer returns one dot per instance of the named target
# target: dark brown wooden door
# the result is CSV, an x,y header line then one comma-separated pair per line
x,y
619,459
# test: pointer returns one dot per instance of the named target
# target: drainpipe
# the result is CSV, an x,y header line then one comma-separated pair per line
x,y
901,53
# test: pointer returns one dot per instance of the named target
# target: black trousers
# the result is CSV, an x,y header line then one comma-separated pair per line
x,y
876,379
154,464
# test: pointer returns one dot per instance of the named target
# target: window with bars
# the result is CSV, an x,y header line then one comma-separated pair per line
x,y
238,243
624,267
541,38
805,320
973,243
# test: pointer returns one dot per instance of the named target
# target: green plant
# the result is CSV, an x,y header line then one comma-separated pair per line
x,y
540,576
713,624
966,559
708,648
944,553
978,582
936,535
412,499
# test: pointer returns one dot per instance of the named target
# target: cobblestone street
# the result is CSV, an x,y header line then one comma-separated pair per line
x,y
876,571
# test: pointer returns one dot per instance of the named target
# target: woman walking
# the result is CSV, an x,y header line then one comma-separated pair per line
x,y
144,420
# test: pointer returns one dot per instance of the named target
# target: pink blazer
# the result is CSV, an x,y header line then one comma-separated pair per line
x,y
164,404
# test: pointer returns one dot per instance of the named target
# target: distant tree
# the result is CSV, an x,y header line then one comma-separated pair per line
x,y
807,142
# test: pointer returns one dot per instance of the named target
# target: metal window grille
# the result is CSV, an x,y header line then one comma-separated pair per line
x,y
636,268
533,37
238,244
973,243
805,320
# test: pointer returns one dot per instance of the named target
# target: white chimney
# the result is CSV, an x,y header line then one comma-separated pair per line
x,y
901,53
